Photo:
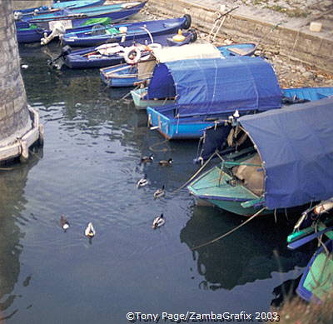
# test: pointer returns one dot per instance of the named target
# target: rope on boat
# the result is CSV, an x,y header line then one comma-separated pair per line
x,y
195,174
231,231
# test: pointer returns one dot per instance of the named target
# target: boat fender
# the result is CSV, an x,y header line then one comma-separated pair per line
x,y
188,21
132,55
179,37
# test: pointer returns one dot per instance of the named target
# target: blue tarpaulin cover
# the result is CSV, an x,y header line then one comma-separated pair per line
x,y
214,86
296,146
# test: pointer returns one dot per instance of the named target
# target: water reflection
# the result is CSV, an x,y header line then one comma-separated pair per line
x,y
252,252
13,179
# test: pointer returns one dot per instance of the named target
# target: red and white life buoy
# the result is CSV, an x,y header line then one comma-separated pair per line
x,y
132,54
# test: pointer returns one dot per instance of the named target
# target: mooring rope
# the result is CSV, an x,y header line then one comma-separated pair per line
x,y
231,231
194,175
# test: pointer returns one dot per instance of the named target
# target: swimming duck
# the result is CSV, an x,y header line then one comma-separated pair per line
x,y
159,193
142,182
147,159
158,222
64,223
90,231
165,162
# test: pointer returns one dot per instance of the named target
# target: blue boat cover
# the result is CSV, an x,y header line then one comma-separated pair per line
x,y
296,147
215,86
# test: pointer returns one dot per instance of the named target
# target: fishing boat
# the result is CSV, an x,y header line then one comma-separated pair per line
x,y
29,13
31,33
143,70
139,95
110,54
238,49
214,137
296,95
119,76
317,279
274,161
134,32
208,91
315,223
77,16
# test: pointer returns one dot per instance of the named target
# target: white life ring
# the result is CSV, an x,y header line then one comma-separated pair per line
x,y
132,54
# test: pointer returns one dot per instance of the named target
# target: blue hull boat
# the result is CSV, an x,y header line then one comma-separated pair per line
x,y
119,76
56,6
293,95
110,54
243,84
134,32
116,12
31,33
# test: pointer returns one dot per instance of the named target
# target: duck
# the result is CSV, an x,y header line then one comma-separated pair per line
x,y
90,231
147,159
64,223
165,162
158,221
142,182
159,193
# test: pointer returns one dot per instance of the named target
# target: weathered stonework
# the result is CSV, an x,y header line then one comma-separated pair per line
x,y
18,123
23,4
297,44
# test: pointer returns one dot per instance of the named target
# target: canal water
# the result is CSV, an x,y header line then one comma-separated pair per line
x,y
87,171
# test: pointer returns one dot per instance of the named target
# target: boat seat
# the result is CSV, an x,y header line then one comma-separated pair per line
x,y
239,51
251,174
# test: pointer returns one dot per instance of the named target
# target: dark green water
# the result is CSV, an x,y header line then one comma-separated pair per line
x,y
87,171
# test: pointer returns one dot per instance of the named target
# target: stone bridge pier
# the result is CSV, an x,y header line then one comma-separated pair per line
x,y
19,123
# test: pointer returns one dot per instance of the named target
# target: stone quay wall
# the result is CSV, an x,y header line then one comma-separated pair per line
x,y
24,4
309,48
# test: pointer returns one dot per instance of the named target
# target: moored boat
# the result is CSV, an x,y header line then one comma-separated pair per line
x,y
116,12
133,32
208,91
109,54
315,223
285,172
29,13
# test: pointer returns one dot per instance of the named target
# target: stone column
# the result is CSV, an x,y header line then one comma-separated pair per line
x,y
16,118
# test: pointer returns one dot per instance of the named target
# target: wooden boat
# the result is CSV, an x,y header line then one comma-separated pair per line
x,y
134,32
315,222
214,138
110,54
238,49
296,168
317,279
208,91
29,13
116,12
30,33
138,94
119,76
296,95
